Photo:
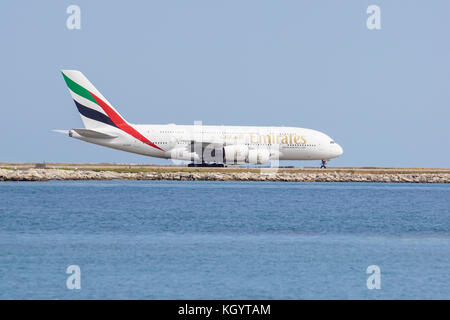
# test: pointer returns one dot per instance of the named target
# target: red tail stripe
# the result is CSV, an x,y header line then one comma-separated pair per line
x,y
121,123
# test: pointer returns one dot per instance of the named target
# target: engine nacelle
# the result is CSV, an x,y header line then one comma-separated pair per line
x,y
235,154
258,156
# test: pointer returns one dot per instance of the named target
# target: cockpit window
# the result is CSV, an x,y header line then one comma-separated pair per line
x,y
332,142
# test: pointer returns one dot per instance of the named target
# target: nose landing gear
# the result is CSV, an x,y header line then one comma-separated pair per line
x,y
324,164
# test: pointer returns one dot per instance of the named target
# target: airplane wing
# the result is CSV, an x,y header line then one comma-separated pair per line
x,y
193,145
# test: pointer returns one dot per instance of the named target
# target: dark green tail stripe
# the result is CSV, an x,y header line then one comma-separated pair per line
x,y
79,90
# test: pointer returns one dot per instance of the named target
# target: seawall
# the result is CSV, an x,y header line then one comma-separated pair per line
x,y
126,172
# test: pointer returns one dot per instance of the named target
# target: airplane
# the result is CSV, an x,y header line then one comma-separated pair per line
x,y
201,144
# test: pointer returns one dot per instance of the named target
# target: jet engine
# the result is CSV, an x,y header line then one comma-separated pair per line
x,y
256,156
235,154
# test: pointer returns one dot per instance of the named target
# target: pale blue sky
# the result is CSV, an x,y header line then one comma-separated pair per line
x,y
383,95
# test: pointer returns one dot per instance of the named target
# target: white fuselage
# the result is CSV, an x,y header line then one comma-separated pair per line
x,y
103,125
187,142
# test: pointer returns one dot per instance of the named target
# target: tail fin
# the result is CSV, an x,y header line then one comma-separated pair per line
x,y
95,110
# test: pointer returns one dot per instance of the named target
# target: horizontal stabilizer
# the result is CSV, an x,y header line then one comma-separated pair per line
x,y
61,131
89,133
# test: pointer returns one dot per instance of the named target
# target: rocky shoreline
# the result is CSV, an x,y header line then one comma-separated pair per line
x,y
325,176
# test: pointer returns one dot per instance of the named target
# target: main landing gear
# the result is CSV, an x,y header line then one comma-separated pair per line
x,y
324,164
204,164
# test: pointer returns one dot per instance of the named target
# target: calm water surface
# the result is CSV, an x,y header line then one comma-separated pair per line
x,y
232,240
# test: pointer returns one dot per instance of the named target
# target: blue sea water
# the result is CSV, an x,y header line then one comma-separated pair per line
x,y
224,240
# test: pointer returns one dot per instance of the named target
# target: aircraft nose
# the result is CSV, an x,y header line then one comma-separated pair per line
x,y
339,150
